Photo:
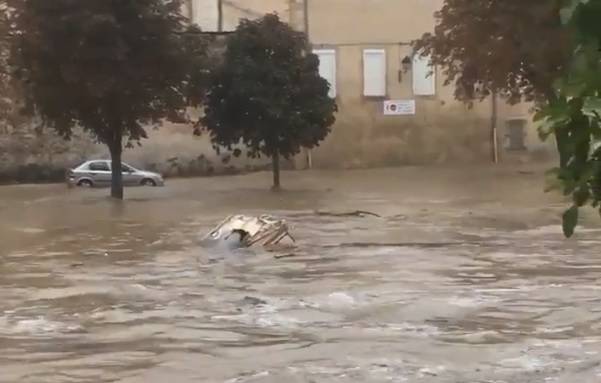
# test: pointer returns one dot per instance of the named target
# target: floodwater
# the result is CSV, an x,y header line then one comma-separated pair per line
x,y
464,278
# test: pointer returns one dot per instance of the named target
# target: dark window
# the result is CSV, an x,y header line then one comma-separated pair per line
x,y
516,135
100,166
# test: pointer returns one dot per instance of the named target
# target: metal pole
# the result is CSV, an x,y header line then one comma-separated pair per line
x,y
493,124
306,17
220,15
190,10
306,26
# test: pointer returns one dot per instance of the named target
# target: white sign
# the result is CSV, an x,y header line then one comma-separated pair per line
x,y
399,107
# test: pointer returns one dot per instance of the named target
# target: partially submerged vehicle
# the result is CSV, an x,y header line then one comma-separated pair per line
x,y
240,231
97,173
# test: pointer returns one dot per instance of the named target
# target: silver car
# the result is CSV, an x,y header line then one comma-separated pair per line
x,y
98,173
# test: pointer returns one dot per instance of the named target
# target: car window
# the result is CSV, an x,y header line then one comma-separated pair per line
x,y
126,168
82,166
99,166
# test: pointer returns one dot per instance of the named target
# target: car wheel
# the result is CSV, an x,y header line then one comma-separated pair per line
x,y
85,183
148,182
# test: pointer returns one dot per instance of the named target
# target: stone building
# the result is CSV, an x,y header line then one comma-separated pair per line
x,y
393,107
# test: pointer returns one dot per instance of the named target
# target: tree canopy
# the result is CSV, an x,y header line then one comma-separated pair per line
x,y
5,78
515,47
112,67
546,51
573,114
267,93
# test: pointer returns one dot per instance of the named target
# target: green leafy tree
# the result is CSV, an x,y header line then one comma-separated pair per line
x,y
573,114
13,122
268,94
546,51
514,47
113,67
6,102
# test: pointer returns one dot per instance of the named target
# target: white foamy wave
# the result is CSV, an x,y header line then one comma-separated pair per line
x,y
249,377
524,363
338,300
258,319
35,326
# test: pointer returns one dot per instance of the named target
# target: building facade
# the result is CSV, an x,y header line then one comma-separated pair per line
x,y
393,106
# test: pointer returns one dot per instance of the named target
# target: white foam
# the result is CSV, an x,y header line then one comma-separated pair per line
x,y
341,300
30,230
431,371
527,363
248,378
36,326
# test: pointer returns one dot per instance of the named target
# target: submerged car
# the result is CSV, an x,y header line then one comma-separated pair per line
x,y
97,173
240,231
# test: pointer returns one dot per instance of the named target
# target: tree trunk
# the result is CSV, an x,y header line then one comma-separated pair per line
x,y
275,160
116,149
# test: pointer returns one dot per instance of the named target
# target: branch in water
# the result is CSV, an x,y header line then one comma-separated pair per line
x,y
356,213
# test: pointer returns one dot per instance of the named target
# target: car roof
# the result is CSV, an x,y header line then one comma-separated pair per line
x,y
108,161
101,160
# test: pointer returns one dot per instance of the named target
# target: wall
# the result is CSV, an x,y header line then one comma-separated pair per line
x,y
174,150
30,155
442,130
206,12
235,10
370,21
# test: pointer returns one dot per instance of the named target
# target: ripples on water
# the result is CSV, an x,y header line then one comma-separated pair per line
x,y
133,299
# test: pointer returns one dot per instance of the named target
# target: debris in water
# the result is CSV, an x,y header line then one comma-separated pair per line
x,y
254,301
240,231
356,213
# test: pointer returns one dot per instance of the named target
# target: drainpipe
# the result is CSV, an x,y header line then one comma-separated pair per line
x,y
220,15
306,17
190,10
306,27
493,130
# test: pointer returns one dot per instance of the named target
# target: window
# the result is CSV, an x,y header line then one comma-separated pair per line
x,y
515,139
126,168
424,77
327,68
100,166
374,72
205,13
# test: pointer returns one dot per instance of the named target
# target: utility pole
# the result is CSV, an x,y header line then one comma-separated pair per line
x,y
306,17
493,128
220,15
306,28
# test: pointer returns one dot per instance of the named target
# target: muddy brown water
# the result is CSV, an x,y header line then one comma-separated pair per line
x,y
465,278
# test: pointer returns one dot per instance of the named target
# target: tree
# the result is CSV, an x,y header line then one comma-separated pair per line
x,y
113,67
546,51
268,94
5,78
514,47
573,114
12,119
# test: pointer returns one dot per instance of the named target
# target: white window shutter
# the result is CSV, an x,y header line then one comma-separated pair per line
x,y
327,68
424,76
205,13
374,72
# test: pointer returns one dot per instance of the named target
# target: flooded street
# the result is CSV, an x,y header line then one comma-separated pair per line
x,y
466,277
